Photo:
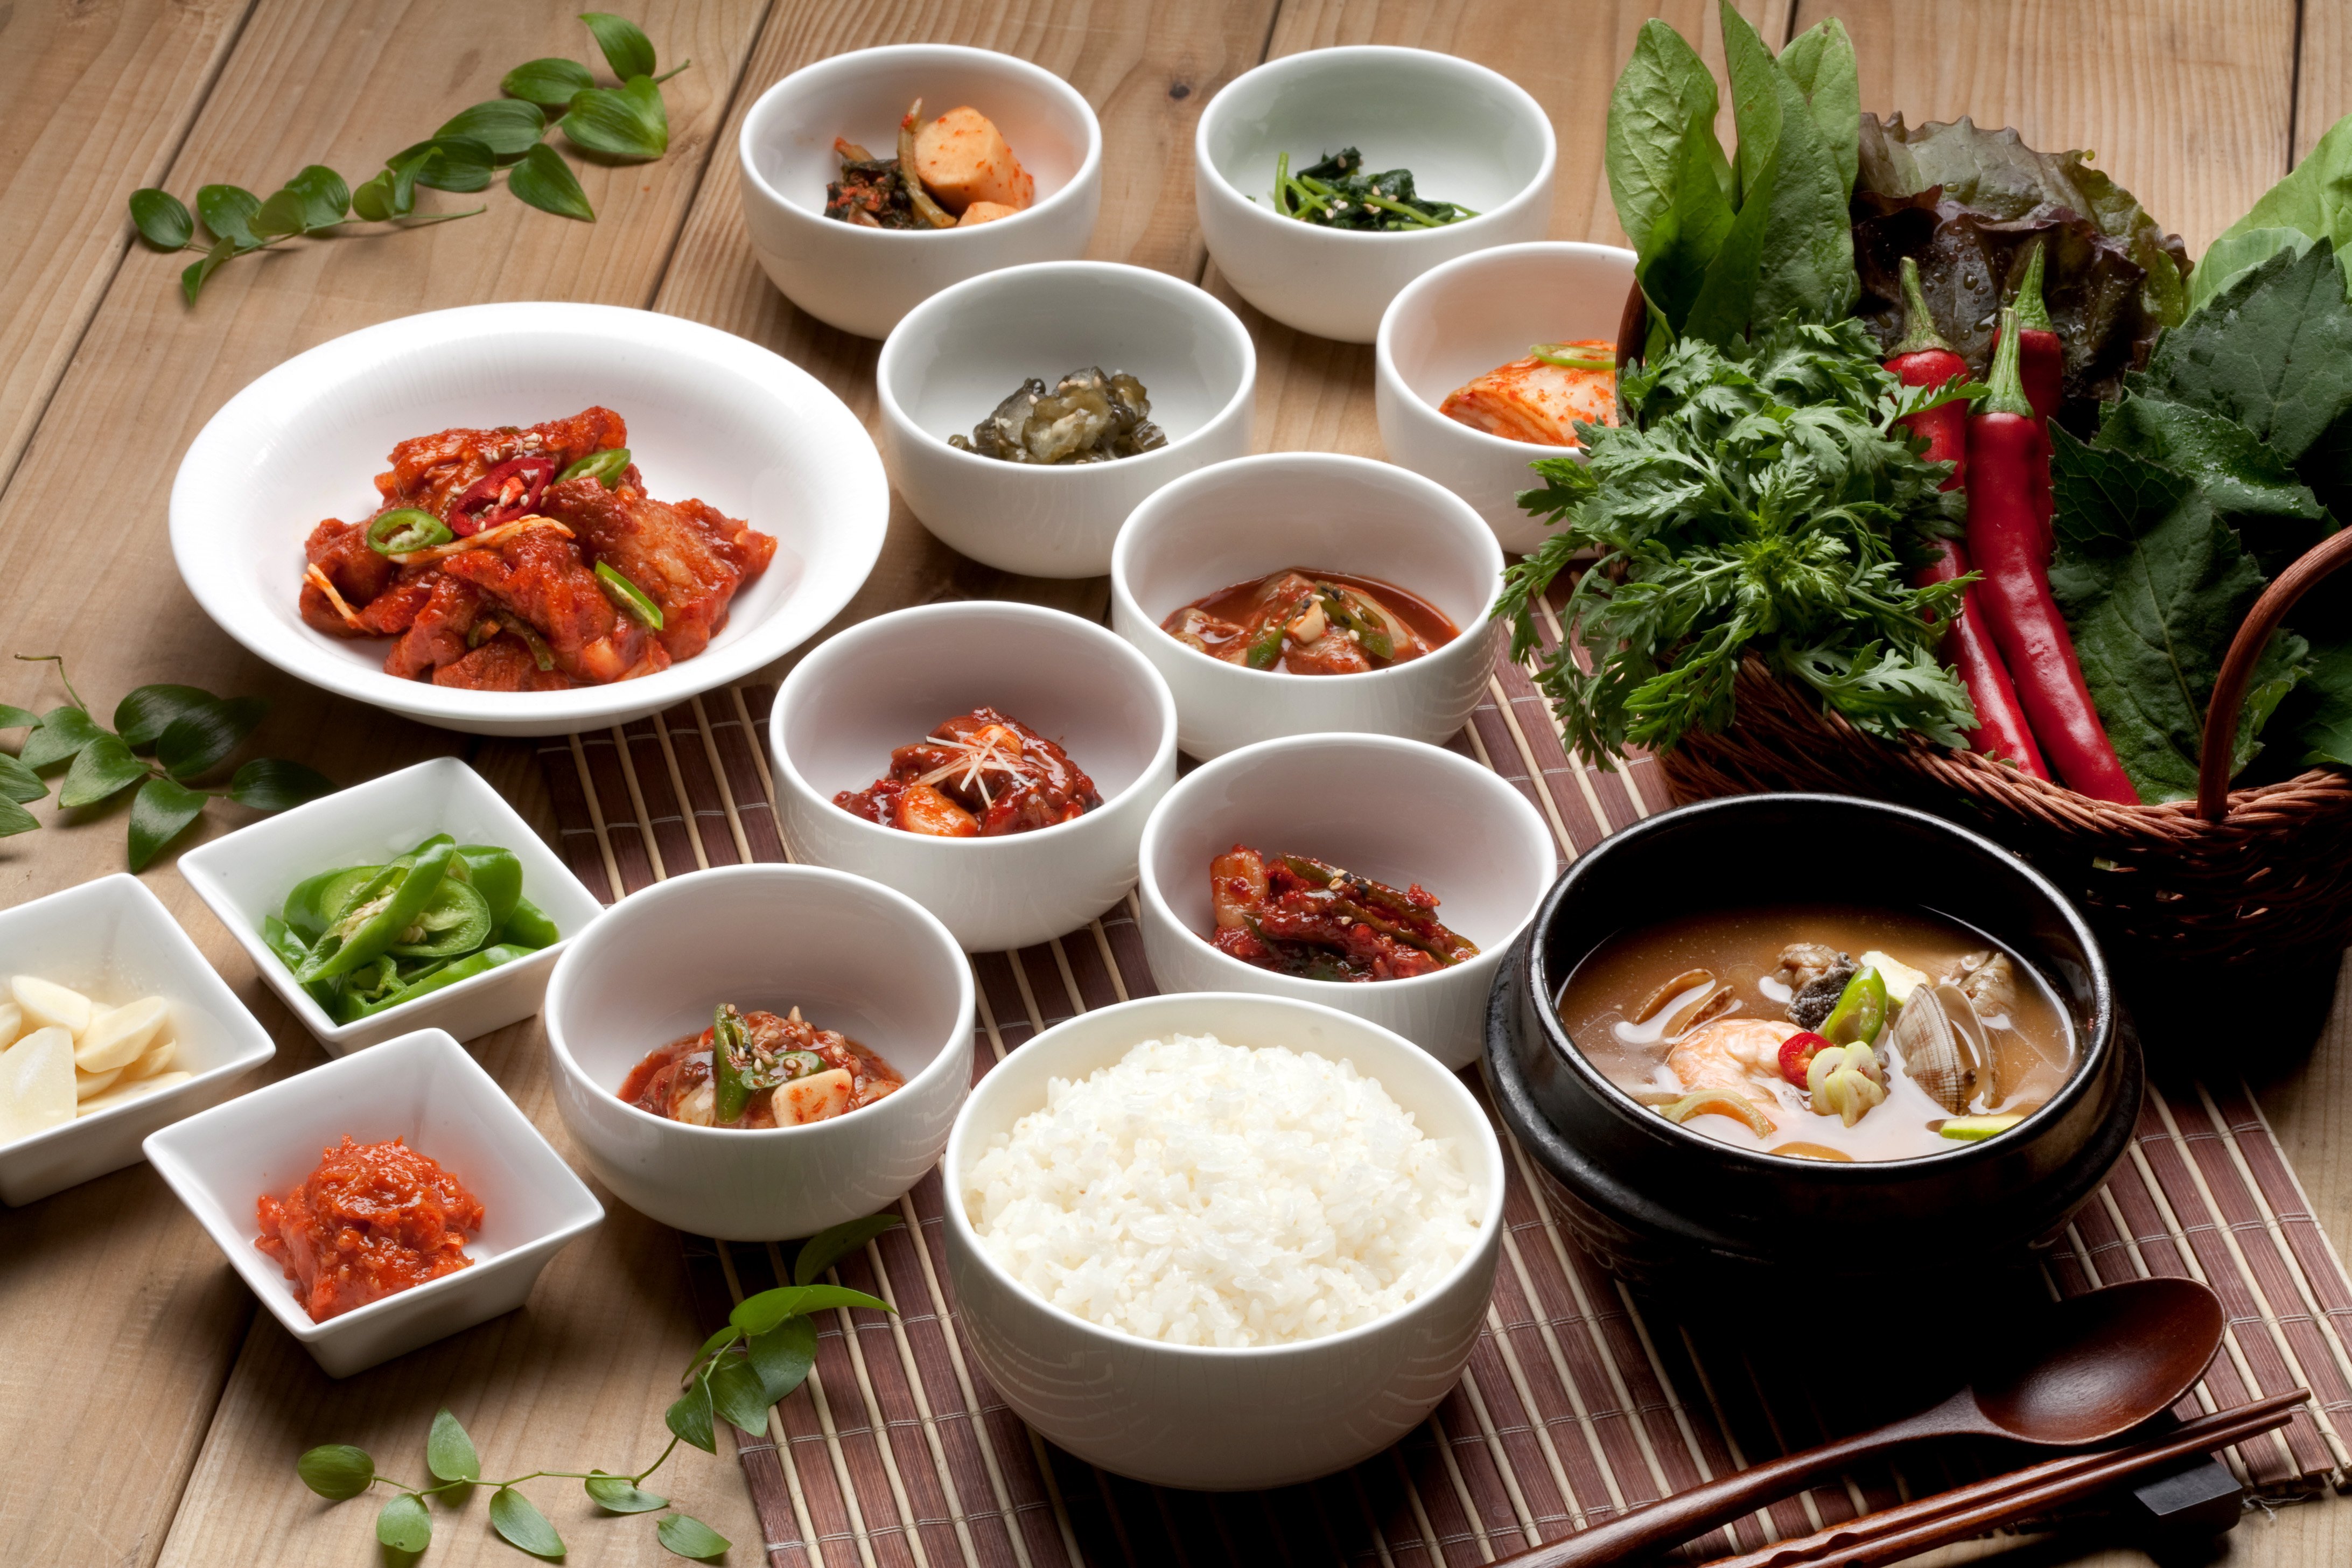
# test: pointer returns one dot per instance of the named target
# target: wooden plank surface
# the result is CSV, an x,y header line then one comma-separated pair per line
x,y
165,1424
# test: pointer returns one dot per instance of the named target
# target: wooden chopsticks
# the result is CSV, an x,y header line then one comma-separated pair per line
x,y
1898,1532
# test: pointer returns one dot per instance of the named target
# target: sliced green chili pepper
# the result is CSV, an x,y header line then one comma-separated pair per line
x,y
292,952
407,528
1860,1010
528,927
1266,647
1567,358
411,857
799,1064
313,905
727,1053
456,919
432,980
629,596
381,911
608,466
497,875
1358,615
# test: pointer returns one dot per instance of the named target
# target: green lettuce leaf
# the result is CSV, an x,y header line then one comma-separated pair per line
x,y
2315,200
1821,61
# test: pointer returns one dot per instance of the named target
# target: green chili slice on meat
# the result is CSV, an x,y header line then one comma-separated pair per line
x,y
380,913
608,466
407,528
629,596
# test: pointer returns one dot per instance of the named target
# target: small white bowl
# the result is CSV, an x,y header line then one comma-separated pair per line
x,y
425,1088
1253,516
1215,1418
1396,811
889,682
113,941
246,875
1459,320
862,280
1469,135
709,415
852,955
966,349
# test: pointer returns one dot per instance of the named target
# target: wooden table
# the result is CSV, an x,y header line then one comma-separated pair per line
x,y
148,1411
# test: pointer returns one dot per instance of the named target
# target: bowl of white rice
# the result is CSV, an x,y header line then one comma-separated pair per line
x,y
1222,1241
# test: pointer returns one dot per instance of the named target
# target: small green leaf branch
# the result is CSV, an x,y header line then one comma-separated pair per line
x,y
741,1372
164,739
626,123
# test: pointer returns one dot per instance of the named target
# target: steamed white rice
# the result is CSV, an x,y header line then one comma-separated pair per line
x,y
1204,1194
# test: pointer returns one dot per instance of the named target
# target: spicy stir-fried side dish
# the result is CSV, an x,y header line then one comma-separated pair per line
x,y
1825,1034
977,775
951,173
1298,915
1304,622
1335,193
1541,398
370,1220
756,1069
529,559
1085,417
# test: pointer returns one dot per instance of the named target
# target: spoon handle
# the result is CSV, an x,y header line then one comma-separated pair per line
x,y
1674,1520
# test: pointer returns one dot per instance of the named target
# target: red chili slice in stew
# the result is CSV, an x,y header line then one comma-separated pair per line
x,y
1796,1055
510,490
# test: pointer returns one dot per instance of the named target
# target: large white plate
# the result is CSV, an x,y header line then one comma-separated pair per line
x,y
709,415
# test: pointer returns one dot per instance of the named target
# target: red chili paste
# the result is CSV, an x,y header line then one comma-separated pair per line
x,y
372,1219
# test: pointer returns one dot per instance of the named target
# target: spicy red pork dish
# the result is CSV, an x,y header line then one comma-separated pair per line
x,y
1304,622
528,559
978,775
1298,915
756,1069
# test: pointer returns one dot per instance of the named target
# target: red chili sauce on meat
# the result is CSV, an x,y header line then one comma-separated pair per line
x,y
1301,621
978,775
372,1220
817,1074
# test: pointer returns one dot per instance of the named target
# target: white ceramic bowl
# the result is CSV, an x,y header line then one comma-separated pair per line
x,y
1461,320
1469,135
1253,516
862,280
709,415
966,349
246,875
114,942
1206,1416
889,682
852,955
425,1088
1400,813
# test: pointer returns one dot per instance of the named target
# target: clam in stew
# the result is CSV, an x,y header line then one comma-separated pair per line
x,y
1822,1033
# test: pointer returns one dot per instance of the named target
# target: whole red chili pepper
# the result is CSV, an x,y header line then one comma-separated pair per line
x,y
1924,358
2041,366
508,491
2004,540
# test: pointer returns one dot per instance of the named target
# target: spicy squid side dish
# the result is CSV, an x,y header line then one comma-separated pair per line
x,y
756,1069
1298,915
528,559
977,775
1824,1034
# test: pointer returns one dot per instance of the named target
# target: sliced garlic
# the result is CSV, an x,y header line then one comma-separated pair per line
x,y
47,1004
116,1036
155,1058
133,1090
88,1085
11,1022
36,1084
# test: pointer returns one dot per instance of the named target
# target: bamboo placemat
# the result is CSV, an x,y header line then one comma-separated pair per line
x,y
1582,1399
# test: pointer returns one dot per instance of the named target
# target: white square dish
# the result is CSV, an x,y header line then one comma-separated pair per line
x,y
423,1088
113,941
244,878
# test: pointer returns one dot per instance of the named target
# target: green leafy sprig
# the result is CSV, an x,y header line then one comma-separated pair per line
x,y
626,122
763,1354
164,739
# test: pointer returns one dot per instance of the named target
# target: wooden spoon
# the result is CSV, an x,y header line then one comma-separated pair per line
x,y
2092,1367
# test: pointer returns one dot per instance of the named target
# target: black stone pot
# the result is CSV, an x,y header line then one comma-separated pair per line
x,y
1662,1205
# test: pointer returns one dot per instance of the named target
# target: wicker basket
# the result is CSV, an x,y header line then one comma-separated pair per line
x,y
2253,877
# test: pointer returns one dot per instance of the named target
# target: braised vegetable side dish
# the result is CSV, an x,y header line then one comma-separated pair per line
x,y
359,939
1085,417
977,775
64,1055
372,1220
950,172
1541,398
529,559
1821,1032
756,1069
1335,193
1298,915
1306,622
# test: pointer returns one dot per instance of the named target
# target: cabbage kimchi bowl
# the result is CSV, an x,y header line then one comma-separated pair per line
x,y
529,519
